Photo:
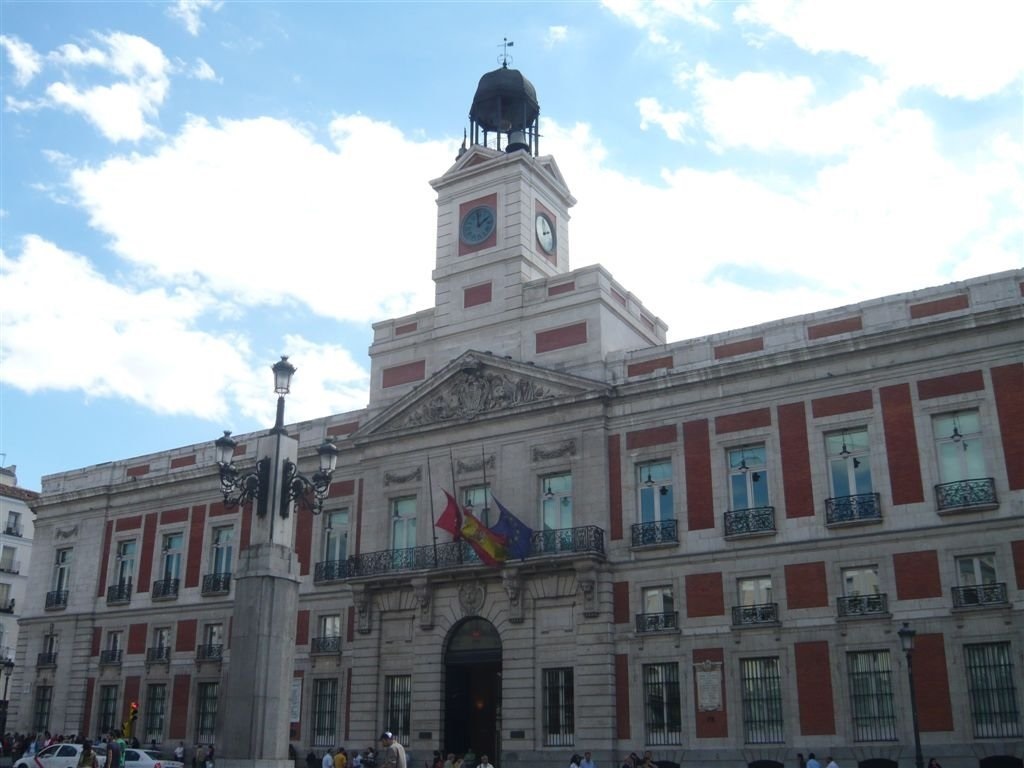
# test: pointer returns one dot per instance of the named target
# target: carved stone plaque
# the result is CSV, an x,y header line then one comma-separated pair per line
x,y
709,685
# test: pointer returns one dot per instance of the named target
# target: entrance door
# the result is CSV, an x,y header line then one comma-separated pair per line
x,y
472,690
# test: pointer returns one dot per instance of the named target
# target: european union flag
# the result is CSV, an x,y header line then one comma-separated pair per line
x,y
517,533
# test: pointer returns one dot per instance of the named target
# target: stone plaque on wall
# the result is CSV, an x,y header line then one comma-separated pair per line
x,y
709,685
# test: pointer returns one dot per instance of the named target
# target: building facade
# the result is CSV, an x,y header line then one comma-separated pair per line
x,y
727,532
16,536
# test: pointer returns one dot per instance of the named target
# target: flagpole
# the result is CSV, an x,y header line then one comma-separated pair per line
x,y
455,492
433,519
486,509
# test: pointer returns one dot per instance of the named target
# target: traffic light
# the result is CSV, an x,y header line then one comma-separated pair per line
x,y
129,725
133,712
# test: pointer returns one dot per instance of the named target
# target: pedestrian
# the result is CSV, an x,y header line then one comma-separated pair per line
x,y
328,759
394,752
933,763
113,750
812,761
209,756
88,757
574,761
801,762
179,752
340,758
588,761
831,763
312,761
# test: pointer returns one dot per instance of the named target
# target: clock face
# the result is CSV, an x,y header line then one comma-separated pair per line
x,y
477,225
545,233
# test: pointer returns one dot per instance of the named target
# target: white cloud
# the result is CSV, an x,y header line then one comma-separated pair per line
x,y
655,16
556,35
201,70
958,50
23,57
671,122
189,12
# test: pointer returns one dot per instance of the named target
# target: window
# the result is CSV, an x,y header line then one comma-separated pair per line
x,y
330,626
7,560
994,711
860,581
976,570
556,512
403,524
336,535
658,609
558,707
50,642
5,595
213,634
41,713
13,523
171,549
125,561
325,712
108,708
162,637
871,703
111,654
754,591
958,446
748,480
654,482
762,700
206,711
328,639
475,501
62,570
222,552
156,705
398,705
663,722
848,467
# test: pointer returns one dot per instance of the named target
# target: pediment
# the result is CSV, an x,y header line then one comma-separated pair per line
x,y
477,386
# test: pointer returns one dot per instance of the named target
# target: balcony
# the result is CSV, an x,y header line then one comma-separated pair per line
x,y
160,654
586,540
8,606
57,598
980,596
966,496
110,656
853,510
14,530
216,584
325,644
756,521
330,570
10,566
657,622
655,533
210,652
755,615
166,589
47,659
857,606
119,594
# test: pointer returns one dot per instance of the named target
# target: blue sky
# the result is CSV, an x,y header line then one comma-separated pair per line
x,y
190,189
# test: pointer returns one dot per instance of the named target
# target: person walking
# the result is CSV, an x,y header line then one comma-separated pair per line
x,y
812,761
588,761
394,752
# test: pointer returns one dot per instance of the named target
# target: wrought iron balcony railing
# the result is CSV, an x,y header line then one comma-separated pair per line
x,y
118,594
748,522
158,653
979,493
980,595
166,589
863,605
110,656
752,615
325,644
8,606
57,598
585,540
14,530
210,652
657,532
216,584
330,570
10,566
47,659
861,508
657,622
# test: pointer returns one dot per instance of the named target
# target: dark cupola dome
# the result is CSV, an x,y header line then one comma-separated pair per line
x,y
505,103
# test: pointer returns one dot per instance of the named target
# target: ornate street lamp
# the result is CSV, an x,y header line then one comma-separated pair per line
x,y
907,635
6,669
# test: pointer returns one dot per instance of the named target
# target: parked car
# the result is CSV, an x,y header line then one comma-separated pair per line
x,y
59,756
149,758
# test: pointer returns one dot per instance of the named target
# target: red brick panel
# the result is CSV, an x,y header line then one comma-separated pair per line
x,y
86,726
302,628
342,488
147,553
185,640
931,683
617,295
700,508
1008,386
490,201
834,327
132,523
1018,561
132,685
739,347
806,586
917,575
194,562
560,338
711,725
846,403
348,703
174,516
476,295
342,429
137,634
554,290
179,707
644,438
953,384
620,602
183,461
734,422
97,637
245,535
138,470
796,461
939,306
704,595
401,330
350,631
901,444
219,509
814,688
649,366
108,533
304,540
406,373
622,696
615,487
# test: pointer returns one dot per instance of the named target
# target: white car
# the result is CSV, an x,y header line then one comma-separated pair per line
x,y
149,758
58,756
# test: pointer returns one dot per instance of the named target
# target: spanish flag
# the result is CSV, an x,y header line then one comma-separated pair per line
x,y
487,544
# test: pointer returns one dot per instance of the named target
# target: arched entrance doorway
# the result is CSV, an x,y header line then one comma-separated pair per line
x,y
472,689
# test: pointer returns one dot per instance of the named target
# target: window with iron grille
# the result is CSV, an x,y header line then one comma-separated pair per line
x,y
156,704
206,711
41,715
762,700
993,697
558,707
108,708
398,705
663,721
871,703
325,712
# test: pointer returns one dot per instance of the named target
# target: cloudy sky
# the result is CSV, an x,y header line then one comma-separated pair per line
x,y
190,189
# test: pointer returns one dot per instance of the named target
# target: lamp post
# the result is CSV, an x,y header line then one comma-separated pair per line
x,y
6,669
907,635
253,719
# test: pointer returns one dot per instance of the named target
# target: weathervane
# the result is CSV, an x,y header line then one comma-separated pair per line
x,y
505,59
